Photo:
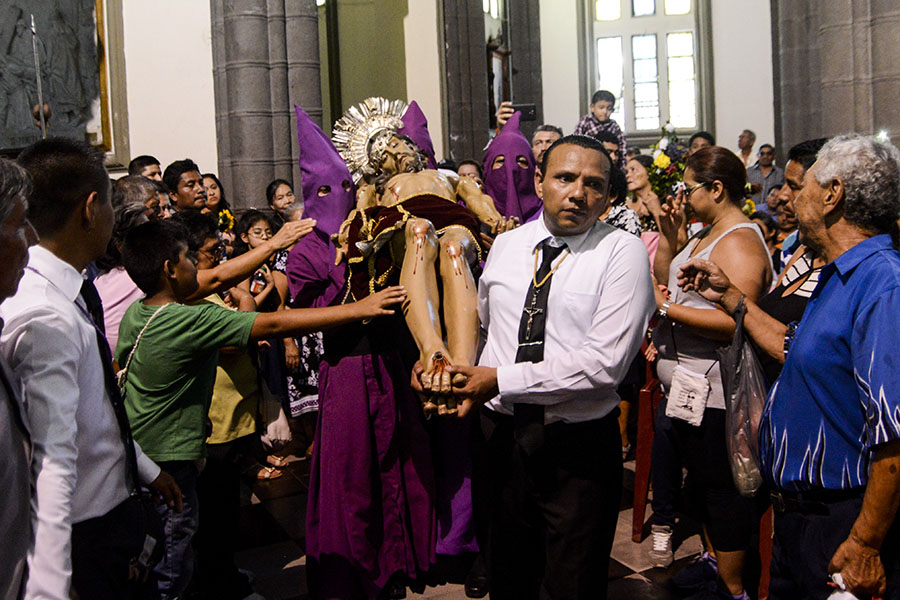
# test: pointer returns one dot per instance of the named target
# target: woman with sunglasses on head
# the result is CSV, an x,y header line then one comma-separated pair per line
x,y
691,329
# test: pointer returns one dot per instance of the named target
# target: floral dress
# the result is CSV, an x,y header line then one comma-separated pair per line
x,y
303,382
624,218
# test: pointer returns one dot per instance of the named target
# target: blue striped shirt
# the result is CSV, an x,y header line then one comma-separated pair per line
x,y
838,395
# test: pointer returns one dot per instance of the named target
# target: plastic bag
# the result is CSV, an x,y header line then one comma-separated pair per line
x,y
277,430
745,395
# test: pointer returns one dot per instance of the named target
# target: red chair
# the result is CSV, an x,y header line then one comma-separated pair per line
x,y
765,552
648,400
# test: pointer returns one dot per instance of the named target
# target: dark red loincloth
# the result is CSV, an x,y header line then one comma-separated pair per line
x,y
373,265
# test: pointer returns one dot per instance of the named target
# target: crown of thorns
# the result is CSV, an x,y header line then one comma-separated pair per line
x,y
363,132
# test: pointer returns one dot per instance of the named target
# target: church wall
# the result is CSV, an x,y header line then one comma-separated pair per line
x,y
742,63
168,58
169,78
560,65
424,67
372,49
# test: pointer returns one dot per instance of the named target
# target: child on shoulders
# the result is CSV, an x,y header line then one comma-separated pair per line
x,y
598,119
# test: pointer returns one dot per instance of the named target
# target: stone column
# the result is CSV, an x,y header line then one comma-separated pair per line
x,y
304,85
835,68
525,61
265,58
467,92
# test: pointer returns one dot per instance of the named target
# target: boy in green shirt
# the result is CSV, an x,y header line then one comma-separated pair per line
x,y
170,375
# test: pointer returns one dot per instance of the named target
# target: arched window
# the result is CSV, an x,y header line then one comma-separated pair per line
x,y
651,55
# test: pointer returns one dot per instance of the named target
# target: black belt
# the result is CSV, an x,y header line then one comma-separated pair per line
x,y
557,427
813,502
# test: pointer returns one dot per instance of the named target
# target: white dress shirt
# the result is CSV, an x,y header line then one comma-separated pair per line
x,y
600,301
79,459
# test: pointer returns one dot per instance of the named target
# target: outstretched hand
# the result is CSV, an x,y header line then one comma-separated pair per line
x,y
704,277
376,305
292,231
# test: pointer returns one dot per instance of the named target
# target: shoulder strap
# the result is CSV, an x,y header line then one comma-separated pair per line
x,y
122,375
700,234
752,226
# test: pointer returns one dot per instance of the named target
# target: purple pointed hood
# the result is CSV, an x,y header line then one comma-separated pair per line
x,y
322,167
415,126
512,186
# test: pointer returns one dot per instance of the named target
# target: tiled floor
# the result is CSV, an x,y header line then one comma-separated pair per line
x,y
272,540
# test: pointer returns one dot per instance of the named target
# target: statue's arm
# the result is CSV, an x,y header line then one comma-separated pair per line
x,y
482,205
366,197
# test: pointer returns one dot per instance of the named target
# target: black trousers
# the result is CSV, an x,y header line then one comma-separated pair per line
x,y
805,543
101,550
219,493
554,512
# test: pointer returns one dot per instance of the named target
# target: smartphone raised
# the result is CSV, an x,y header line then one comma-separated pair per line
x,y
529,111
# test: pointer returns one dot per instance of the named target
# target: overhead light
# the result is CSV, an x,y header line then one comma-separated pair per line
x,y
883,136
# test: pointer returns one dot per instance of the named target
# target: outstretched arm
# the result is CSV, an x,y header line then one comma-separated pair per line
x,y
301,321
483,206
229,273
707,279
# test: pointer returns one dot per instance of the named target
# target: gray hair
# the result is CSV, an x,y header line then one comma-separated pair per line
x,y
293,211
14,182
548,127
133,189
870,172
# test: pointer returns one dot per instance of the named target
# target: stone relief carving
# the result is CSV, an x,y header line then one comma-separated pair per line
x,y
67,50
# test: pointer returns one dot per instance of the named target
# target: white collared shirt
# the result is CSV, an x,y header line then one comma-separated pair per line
x,y
79,459
600,301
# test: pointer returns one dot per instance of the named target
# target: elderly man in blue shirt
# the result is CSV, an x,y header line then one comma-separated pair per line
x,y
830,431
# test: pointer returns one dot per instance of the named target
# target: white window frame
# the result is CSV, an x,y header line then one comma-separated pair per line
x,y
697,21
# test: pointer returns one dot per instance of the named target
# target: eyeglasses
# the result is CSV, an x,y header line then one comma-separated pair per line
x,y
692,189
216,253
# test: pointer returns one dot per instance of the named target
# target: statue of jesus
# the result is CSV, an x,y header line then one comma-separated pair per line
x,y
408,226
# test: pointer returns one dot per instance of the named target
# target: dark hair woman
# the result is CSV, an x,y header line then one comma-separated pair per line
x,y
690,330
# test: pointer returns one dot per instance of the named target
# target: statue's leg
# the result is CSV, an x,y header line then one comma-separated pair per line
x,y
422,305
460,297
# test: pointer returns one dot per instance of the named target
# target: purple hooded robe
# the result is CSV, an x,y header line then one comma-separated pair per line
x,y
370,512
415,127
511,186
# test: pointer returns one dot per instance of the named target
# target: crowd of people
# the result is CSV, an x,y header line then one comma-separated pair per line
x,y
159,344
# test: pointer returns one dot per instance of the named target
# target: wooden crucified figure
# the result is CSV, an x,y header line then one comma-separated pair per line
x,y
407,218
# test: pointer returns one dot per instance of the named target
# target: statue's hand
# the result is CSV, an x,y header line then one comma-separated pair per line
x,y
339,255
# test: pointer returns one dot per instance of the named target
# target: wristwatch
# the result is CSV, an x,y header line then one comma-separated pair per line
x,y
664,309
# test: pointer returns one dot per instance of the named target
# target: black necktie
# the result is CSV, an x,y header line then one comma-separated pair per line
x,y
95,309
528,419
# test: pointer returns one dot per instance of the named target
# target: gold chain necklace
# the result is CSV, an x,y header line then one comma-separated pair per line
x,y
552,270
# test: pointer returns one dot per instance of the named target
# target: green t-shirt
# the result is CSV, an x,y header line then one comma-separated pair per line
x,y
170,379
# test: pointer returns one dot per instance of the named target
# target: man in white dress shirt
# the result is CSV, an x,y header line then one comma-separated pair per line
x,y
560,337
16,235
82,519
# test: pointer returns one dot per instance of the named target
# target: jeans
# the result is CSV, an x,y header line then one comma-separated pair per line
x,y
805,543
173,574
665,471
